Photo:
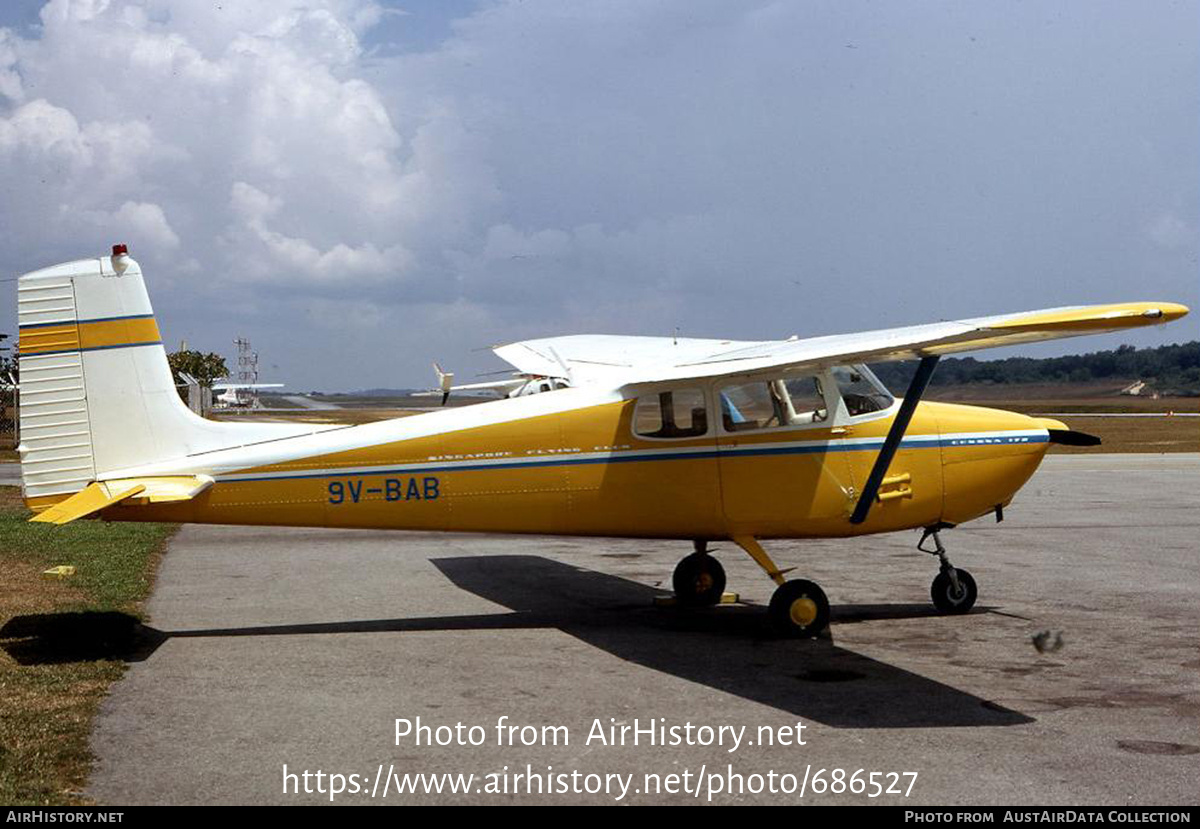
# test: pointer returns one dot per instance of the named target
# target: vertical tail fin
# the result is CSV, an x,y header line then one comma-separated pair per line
x,y
97,395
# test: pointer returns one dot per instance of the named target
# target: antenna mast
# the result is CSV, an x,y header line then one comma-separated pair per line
x,y
247,362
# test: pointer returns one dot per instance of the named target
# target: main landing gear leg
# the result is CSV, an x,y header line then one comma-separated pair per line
x,y
799,607
953,590
699,579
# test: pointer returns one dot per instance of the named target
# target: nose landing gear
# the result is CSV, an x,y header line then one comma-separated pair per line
x,y
953,589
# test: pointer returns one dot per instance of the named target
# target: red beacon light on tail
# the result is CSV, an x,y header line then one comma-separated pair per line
x,y
120,258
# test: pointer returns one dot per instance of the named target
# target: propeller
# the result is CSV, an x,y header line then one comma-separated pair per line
x,y
1069,437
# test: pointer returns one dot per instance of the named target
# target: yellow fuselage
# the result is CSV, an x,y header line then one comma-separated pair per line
x,y
584,472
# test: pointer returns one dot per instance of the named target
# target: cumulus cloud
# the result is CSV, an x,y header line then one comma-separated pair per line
x,y
158,108
292,259
44,135
145,223
10,78
750,170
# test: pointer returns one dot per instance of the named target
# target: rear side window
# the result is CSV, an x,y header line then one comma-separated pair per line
x,y
679,413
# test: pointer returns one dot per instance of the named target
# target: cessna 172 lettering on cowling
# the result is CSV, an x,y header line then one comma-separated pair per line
x,y
649,437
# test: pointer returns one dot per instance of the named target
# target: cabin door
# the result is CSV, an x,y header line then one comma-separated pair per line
x,y
780,473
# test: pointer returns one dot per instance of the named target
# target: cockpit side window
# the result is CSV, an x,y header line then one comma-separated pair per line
x,y
678,413
751,406
808,399
861,391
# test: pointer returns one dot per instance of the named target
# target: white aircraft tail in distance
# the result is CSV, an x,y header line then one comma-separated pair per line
x,y
240,395
696,440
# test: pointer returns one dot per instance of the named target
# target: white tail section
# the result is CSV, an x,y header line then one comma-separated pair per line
x,y
96,393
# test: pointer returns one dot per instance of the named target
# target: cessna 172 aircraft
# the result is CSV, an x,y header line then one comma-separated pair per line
x,y
518,384
650,437
239,395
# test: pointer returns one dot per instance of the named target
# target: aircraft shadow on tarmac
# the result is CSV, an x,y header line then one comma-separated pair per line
x,y
727,648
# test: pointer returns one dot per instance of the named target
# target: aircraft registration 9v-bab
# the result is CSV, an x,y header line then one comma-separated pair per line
x,y
648,437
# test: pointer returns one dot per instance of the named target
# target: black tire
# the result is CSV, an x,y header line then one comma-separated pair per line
x,y
799,609
699,581
946,599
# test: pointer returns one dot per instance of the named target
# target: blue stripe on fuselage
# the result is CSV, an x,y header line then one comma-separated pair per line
x,y
917,442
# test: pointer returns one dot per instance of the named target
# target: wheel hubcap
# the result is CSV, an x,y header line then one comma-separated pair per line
x,y
803,611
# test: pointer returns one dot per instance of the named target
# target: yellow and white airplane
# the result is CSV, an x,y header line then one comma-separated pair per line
x,y
645,437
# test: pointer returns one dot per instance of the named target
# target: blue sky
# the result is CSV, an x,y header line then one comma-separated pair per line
x,y
363,187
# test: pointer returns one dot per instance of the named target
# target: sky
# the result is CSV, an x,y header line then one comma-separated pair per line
x,y
363,187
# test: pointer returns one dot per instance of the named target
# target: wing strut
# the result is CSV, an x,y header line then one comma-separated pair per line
x,y
912,397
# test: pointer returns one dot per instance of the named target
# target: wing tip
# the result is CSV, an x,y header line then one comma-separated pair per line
x,y
1173,310
1097,317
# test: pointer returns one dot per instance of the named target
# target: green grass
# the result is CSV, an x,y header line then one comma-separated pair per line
x,y
112,560
60,642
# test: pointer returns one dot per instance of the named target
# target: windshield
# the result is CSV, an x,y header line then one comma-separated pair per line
x,y
861,390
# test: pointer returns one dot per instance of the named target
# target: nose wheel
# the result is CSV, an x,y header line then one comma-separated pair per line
x,y
953,589
699,579
949,597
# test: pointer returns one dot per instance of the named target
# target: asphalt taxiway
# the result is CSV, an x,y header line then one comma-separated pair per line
x,y
271,647
10,473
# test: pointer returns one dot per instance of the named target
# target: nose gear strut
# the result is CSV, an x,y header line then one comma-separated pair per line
x,y
953,590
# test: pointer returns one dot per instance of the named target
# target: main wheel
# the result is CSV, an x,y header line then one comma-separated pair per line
x,y
699,580
947,599
799,609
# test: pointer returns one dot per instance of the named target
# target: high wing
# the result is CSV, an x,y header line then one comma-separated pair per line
x,y
500,387
618,360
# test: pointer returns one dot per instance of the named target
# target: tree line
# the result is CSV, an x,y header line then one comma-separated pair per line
x,y
1167,369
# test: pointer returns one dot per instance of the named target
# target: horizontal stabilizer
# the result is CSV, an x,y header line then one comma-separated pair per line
x,y
96,496
92,498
